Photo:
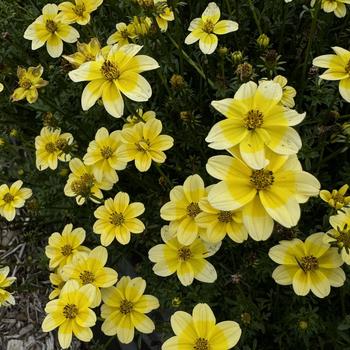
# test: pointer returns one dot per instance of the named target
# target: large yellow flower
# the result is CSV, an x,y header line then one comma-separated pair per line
x,y
310,265
103,155
164,14
337,198
5,297
188,261
336,6
11,198
90,269
72,313
207,27
183,209
78,11
48,28
256,119
63,248
201,332
143,143
117,73
122,35
29,81
271,193
118,218
125,307
52,146
338,69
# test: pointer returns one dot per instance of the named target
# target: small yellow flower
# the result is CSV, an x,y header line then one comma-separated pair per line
x,y
78,11
288,92
71,313
5,297
125,307
200,331
164,14
118,218
52,146
49,28
263,41
336,6
90,269
138,117
58,282
122,35
337,198
207,27
29,82
63,248
310,265
11,198
188,261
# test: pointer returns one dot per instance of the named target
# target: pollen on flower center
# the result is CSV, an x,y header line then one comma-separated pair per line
x,y
66,250
124,33
143,145
70,311
338,198
106,152
110,70
87,277
8,198
50,147
117,219
79,10
254,119
83,186
51,26
261,179
309,263
225,216
184,254
344,238
208,26
193,210
201,344
25,84
126,306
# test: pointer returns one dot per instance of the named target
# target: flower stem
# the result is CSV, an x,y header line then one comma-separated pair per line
x,y
257,22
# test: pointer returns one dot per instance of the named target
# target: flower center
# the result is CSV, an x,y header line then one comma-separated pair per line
x,y
117,219
309,263
201,344
70,311
87,277
338,198
50,147
344,238
8,197
25,84
79,9
126,306
83,186
143,145
261,179
225,216
347,67
193,210
51,26
110,70
208,26
66,250
106,152
254,119
124,34
184,254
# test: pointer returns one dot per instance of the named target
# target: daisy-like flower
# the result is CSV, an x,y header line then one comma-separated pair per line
x,y
103,155
57,282
337,199
271,193
50,29
256,119
336,6
288,92
122,35
310,265
143,144
118,218
188,261
183,209
63,248
86,53
338,68
78,11
206,29
139,117
5,297
117,73
82,184
90,269
51,146
11,198
201,332
29,81
164,14
71,313
124,308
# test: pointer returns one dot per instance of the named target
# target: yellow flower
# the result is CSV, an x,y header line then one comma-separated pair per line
x,y
5,297
78,11
207,27
115,74
141,25
337,198
125,307
312,264
122,35
103,155
11,198
82,184
183,209
288,92
338,69
164,14
86,53
58,282
90,269
143,143
336,6
29,82
118,218
200,331
52,146
71,313
188,261
48,28
63,248
1,87
255,119
271,193
138,117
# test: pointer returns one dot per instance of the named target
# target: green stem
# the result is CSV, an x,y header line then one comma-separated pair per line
x,y
257,22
